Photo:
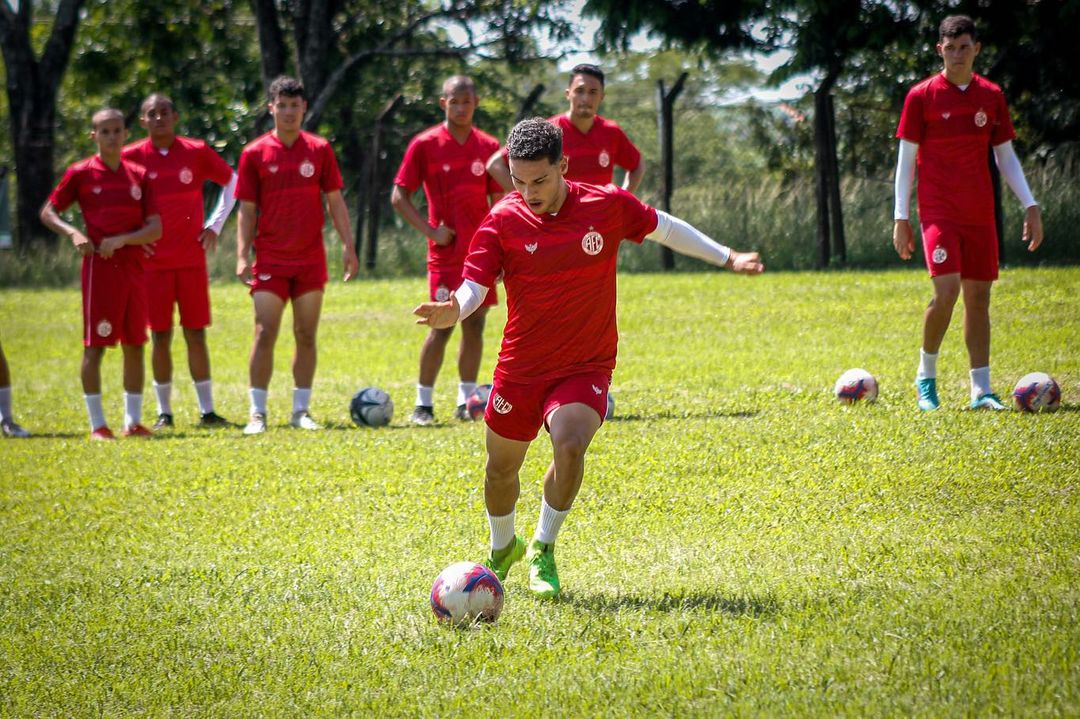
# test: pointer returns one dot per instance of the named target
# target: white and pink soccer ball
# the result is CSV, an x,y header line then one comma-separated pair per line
x,y
1037,392
465,593
856,385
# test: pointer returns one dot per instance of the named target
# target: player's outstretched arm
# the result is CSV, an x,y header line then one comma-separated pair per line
x,y
687,240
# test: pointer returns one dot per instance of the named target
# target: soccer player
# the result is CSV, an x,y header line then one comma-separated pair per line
x,y
948,124
119,213
8,426
592,145
448,160
176,273
283,176
556,243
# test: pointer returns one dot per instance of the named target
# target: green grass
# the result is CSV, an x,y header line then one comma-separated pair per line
x,y
743,545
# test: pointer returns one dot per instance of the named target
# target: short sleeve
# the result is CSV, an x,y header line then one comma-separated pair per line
x,y
409,175
247,185
911,126
215,168
65,193
1003,130
638,219
626,155
149,199
330,180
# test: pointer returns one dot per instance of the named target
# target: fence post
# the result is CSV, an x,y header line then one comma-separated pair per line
x,y
665,102
372,190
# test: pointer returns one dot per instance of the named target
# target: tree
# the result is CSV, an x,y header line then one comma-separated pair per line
x,y
32,87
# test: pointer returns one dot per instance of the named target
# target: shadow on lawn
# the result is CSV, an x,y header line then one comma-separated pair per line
x,y
671,414
736,605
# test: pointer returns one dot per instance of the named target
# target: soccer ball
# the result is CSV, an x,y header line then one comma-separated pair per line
x,y
610,407
465,593
477,401
855,385
371,407
1037,392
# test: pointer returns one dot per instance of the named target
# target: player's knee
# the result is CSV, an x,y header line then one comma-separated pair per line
x,y
195,338
305,337
571,446
499,473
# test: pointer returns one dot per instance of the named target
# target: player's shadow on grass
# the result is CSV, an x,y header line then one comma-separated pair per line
x,y
671,414
57,435
735,605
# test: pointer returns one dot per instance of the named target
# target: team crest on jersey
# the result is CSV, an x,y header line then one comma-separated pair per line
x,y
273,169
152,175
307,168
478,168
592,242
597,390
940,255
136,193
96,189
946,115
446,167
442,293
604,159
980,119
186,176
104,328
264,277
499,404
531,248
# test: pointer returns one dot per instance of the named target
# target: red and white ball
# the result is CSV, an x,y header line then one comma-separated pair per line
x,y
465,593
1037,392
856,385
476,402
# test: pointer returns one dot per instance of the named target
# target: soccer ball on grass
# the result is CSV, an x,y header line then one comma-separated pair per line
x,y
371,407
856,385
465,593
1037,392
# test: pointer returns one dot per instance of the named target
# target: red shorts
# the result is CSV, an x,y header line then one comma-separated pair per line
x,y
971,250
187,288
287,281
517,411
114,302
442,283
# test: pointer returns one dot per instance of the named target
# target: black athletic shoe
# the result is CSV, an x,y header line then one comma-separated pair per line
x,y
423,416
213,419
462,413
164,421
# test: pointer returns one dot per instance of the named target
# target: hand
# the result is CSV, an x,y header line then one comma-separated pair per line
x,y
746,263
82,244
438,315
243,270
110,245
443,236
902,239
1033,228
208,239
350,262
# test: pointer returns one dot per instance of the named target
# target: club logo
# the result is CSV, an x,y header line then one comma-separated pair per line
x,y
604,159
478,168
946,115
96,189
597,390
153,175
442,294
307,169
104,328
499,404
940,255
264,277
446,167
592,242
186,176
531,248
980,119
136,192
273,169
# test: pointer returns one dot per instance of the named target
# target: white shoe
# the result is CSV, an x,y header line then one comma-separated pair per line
x,y
10,429
256,424
303,420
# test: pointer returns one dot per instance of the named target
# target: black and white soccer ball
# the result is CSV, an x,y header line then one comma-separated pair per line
x,y
371,407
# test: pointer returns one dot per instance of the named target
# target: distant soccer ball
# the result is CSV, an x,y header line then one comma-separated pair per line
x,y
476,402
856,385
371,407
1037,392
610,407
466,592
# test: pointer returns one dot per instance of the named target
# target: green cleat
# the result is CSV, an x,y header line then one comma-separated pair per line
x,y
543,577
988,401
501,561
927,391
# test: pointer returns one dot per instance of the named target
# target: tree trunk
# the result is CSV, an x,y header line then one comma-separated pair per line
x,y
837,209
272,50
821,172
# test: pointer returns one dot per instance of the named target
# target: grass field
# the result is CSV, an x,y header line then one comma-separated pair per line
x,y
743,545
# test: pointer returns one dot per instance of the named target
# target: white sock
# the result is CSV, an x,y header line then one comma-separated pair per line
x,y
980,382
301,399
425,396
464,389
95,410
927,365
258,400
205,392
502,530
163,392
132,409
550,522
5,404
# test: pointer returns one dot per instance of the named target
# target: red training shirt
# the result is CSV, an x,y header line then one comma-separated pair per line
x,y
456,185
177,178
559,273
286,184
954,129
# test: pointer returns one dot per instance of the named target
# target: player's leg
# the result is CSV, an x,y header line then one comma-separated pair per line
x,y
134,378
432,354
161,297
269,307
469,357
8,426
90,375
936,321
977,337
502,485
307,309
193,294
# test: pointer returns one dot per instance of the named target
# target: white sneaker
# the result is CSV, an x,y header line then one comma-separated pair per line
x,y
256,424
10,429
303,420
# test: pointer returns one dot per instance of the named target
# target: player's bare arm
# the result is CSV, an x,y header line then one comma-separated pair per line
x,y
438,315
339,215
52,219
633,178
245,235
497,168
401,199
149,232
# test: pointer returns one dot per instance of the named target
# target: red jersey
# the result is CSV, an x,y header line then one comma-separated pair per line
x,y
456,185
955,130
559,273
286,184
112,202
592,156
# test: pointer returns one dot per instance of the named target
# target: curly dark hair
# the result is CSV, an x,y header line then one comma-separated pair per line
x,y
285,86
535,139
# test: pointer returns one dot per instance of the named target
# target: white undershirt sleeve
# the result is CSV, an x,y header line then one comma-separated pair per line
x,y
905,178
1009,164
687,240
469,296
225,203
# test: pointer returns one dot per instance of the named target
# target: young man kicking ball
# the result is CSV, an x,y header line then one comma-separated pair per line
x,y
556,243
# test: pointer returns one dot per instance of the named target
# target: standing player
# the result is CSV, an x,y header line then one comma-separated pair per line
x,y
448,159
592,145
948,123
283,176
115,200
176,273
8,426
556,243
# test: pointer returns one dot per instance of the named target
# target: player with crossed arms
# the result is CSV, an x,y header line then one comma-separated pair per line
x,y
556,243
